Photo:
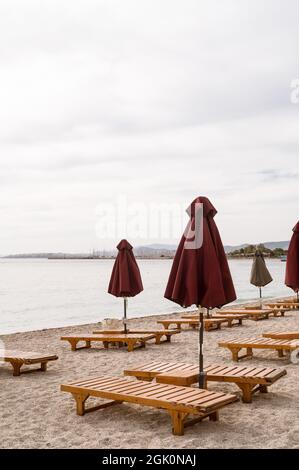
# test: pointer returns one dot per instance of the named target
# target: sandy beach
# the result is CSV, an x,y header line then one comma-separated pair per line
x,y
35,414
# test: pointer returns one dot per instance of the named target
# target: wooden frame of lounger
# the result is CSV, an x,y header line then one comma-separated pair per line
x,y
289,335
180,402
209,323
253,314
283,347
283,305
132,341
249,379
18,359
249,313
276,312
233,320
158,333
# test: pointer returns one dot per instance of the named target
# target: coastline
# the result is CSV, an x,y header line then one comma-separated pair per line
x,y
46,417
154,316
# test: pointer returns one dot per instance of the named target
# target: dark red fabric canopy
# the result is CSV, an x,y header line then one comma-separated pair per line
x,y
201,276
292,268
125,279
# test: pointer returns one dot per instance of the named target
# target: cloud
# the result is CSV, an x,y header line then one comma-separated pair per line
x,y
155,101
272,175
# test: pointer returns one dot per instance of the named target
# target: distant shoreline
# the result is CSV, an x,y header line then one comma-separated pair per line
x,y
102,258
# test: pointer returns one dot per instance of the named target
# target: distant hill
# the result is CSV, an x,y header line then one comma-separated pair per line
x,y
271,245
156,250
161,246
229,248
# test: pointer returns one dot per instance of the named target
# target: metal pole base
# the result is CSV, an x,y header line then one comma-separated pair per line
x,y
202,381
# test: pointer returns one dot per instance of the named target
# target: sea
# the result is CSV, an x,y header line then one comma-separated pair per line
x,y
38,294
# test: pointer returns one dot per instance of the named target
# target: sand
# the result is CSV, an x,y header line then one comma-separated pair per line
x,y
35,414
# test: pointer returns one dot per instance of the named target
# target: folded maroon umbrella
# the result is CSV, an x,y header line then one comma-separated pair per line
x,y
200,273
260,275
201,276
292,267
125,278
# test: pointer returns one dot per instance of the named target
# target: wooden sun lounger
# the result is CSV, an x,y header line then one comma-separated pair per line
x,y
281,346
252,314
284,305
180,402
232,320
132,341
157,333
209,323
20,358
276,312
248,379
290,335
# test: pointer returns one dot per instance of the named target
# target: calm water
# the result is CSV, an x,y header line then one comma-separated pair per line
x,y
36,294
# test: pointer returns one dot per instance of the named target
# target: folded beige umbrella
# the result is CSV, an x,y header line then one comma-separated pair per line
x,y
260,275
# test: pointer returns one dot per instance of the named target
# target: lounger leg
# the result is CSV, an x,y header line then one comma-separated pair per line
x,y
131,346
280,353
263,388
240,321
249,352
16,368
177,419
73,343
235,353
80,402
246,392
43,366
168,338
158,339
230,323
106,344
87,344
214,416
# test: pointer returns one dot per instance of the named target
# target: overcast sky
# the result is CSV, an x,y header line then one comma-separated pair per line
x,y
146,101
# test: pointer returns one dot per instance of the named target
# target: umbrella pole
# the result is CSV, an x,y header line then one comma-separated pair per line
x,y
261,297
125,314
201,381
